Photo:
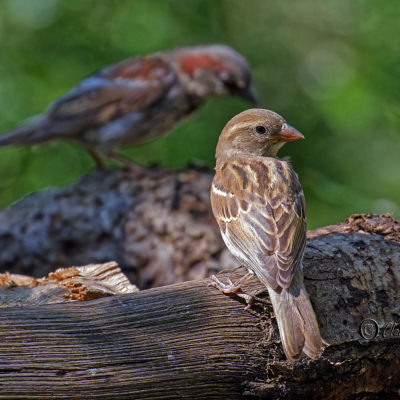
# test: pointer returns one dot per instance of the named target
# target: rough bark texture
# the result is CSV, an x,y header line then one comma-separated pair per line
x,y
189,341
157,225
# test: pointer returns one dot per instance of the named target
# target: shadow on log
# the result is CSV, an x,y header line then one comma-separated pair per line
x,y
189,341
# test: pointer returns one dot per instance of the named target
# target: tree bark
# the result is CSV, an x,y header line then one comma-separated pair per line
x,y
156,224
189,341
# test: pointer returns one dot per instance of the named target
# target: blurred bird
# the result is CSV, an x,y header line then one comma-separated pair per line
x,y
259,205
138,99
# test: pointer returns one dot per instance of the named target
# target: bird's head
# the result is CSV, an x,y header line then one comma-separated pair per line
x,y
214,70
256,132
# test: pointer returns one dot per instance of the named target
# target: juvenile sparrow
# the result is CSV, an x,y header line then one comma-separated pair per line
x,y
138,99
259,205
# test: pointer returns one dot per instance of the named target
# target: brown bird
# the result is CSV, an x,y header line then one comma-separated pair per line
x,y
138,99
259,205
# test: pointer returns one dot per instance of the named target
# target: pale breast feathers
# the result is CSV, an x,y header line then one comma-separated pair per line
x,y
260,208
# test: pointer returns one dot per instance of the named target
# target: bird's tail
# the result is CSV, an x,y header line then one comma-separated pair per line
x,y
297,323
31,132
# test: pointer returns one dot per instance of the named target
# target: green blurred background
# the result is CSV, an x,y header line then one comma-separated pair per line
x,y
331,68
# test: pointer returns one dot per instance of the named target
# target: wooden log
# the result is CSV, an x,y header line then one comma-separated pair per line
x,y
156,224
65,284
189,341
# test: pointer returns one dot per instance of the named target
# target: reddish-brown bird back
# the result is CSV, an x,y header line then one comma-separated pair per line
x,y
138,99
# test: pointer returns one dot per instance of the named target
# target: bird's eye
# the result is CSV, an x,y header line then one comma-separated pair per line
x,y
260,129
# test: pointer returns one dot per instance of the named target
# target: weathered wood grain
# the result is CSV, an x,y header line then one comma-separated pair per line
x,y
189,341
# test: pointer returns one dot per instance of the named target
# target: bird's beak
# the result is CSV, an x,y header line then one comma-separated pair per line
x,y
289,134
249,94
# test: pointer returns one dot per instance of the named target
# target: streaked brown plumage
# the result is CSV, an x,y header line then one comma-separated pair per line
x,y
259,205
138,99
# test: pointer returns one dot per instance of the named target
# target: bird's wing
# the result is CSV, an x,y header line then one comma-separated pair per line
x,y
260,208
114,91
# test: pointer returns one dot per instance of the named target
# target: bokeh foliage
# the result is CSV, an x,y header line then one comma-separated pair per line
x,y
330,68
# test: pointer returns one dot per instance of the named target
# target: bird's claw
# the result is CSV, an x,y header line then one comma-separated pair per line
x,y
233,287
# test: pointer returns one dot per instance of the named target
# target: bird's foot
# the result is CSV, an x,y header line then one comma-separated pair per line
x,y
96,158
234,287
125,162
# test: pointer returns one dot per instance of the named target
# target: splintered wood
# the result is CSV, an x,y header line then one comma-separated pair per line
x,y
65,284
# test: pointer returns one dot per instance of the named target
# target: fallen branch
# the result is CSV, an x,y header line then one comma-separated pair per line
x,y
189,341
156,224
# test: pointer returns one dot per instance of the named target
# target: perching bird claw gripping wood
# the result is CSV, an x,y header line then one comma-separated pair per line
x,y
189,341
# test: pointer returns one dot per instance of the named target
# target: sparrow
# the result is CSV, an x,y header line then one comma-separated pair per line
x,y
259,205
138,99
